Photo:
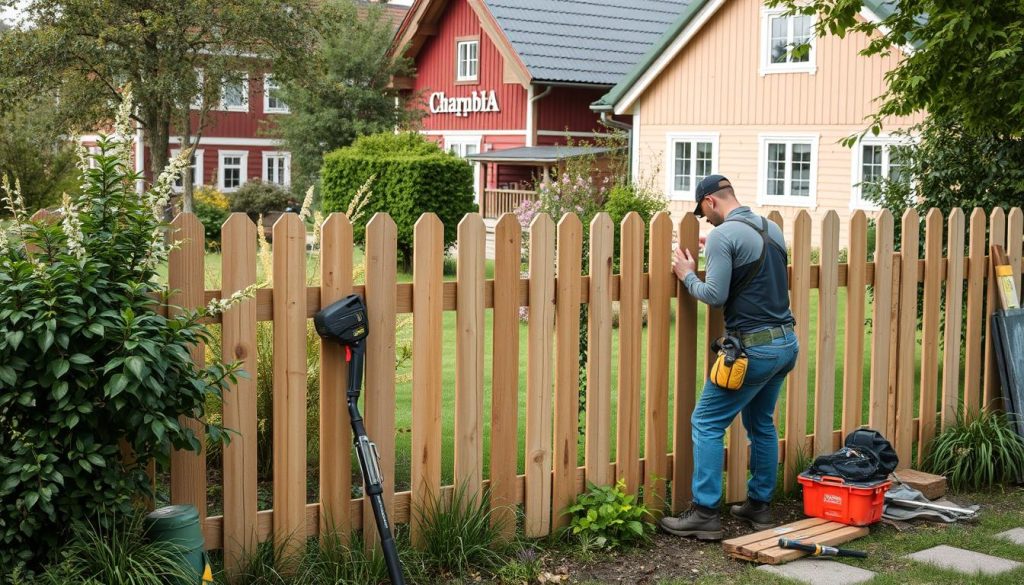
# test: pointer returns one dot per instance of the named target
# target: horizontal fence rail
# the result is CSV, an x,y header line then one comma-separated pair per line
x,y
929,292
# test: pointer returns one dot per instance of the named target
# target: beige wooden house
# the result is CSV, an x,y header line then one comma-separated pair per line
x,y
724,92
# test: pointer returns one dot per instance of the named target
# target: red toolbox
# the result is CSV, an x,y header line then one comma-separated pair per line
x,y
831,498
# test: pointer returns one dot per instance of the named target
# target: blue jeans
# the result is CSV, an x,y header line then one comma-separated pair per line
x,y
767,368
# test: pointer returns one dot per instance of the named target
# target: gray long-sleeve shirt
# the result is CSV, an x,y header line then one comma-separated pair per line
x,y
731,251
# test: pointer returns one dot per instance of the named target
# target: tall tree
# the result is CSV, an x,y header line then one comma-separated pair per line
x,y
84,51
962,61
344,91
34,150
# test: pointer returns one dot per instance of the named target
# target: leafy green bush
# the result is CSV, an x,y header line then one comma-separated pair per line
x,y
257,198
609,517
623,199
413,176
979,453
211,208
89,368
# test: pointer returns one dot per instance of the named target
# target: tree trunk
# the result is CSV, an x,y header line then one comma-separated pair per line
x,y
157,138
186,175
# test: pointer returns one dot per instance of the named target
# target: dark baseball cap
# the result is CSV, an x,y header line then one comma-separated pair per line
x,y
708,185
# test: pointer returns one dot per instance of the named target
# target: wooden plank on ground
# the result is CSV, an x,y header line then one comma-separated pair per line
x,y
686,366
289,257
974,351
539,376
185,275
881,311
810,534
335,425
993,399
735,544
776,556
853,356
905,366
662,285
508,250
427,339
930,308
599,352
469,357
567,367
796,383
828,300
238,343
627,461
953,319
379,394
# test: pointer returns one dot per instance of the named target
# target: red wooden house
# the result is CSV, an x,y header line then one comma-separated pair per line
x,y
504,82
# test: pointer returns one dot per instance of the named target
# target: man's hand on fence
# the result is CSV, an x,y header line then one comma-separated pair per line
x,y
683,263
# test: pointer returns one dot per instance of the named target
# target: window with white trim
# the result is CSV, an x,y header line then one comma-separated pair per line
x,y
196,164
467,60
272,103
691,157
234,95
232,171
788,170
875,159
787,42
277,168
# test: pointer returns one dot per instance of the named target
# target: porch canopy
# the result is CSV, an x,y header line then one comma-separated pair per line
x,y
537,155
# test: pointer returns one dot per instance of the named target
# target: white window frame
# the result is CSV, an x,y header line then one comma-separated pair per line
x,y
243,175
245,94
767,67
287,156
464,141
197,176
857,200
811,201
268,85
475,61
670,161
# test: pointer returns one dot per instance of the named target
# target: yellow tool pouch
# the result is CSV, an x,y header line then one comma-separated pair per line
x,y
730,368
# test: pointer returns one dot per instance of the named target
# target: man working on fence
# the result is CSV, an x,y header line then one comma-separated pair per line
x,y
746,276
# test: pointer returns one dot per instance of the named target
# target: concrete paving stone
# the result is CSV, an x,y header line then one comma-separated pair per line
x,y
964,561
1015,535
819,571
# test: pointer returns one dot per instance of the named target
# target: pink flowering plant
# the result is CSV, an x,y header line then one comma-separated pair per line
x,y
91,366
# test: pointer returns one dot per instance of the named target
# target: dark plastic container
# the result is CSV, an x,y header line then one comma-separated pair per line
x,y
180,525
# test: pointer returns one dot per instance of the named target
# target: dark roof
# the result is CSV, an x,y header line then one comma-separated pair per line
x,y
591,41
537,154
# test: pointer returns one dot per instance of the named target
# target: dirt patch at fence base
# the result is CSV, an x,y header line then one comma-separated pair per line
x,y
668,556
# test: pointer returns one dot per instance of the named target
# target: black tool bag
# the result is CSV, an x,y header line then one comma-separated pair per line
x,y
866,457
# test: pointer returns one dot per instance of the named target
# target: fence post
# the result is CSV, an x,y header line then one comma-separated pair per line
x,y
907,338
567,364
853,357
1014,239
976,271
996,236
775,217
881,310
686,367
828,299
933,262
796,383
599,352
661,286
627,465
954,312
469,358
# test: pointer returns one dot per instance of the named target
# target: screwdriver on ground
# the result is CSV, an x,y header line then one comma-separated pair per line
x,y
821,550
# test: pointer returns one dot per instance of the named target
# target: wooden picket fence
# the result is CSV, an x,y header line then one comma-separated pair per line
x,y
554,293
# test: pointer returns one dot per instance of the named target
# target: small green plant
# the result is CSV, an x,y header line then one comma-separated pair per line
x,y
115,551
258,198
458,533
608,517
979,453
211,208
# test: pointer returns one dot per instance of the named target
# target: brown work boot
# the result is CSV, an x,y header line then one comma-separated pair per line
x,y
759,514
699,522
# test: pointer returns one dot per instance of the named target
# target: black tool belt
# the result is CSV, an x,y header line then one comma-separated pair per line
x,y
765,336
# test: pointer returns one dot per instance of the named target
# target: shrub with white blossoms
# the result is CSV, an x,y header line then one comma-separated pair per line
x,y
90,365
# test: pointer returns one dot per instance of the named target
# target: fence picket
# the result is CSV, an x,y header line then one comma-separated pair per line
x,y
878,411
1014,242
893,353
853,357
599,352
996,236
828,299
379,393
976,271
933,262
428,278
686,366
907,338
661,287
469,357
954,312
627,465
796,383
776,218
238,342
539,375
508,248
289,386
186,282
567,366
